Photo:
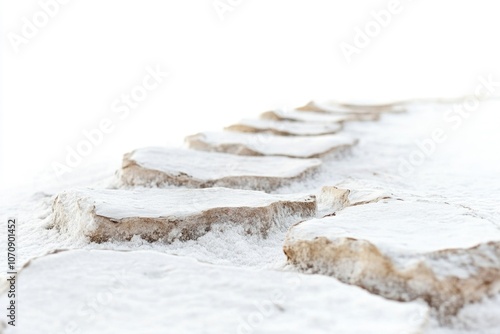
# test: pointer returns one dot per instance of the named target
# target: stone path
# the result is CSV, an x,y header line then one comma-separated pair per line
x,y
419,259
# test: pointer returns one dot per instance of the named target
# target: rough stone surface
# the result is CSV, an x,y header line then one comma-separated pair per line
x,y
404,250
270,145
198,169
349,108
285,128
347,194
171,214
318,116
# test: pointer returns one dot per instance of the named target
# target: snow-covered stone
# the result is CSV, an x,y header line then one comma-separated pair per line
x,y
351,109
285,128
173,214
404,250
481,317
157,166
347,194
108,292
271,145
317,116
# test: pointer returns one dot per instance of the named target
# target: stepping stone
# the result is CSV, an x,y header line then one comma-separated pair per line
x,y
285,128
147,292
348,194
299,116
197,169
270,145
347,108
404,250
173,214
317,117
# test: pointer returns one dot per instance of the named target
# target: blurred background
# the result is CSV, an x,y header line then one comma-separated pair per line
x,y
65,72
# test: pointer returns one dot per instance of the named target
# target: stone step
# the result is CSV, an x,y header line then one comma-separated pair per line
x,y
314,116
351,109
109,292
349,193
404,250
173,214
198,169
285,128
269,145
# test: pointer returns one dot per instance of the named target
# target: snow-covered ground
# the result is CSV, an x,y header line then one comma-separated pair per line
x,y
150,292
429,154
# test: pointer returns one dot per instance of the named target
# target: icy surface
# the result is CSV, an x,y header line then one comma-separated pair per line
x,y
268,144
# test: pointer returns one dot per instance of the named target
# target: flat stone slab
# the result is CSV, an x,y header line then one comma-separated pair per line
x,y
347,194
285,128
300,116
173,214
147,292
318,116
351,108
270,145
404,250
197,169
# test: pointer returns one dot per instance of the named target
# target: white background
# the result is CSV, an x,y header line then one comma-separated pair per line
x,y
263,55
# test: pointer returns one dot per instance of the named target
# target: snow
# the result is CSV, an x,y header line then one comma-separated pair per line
x,y
127,290
268,144
463,171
